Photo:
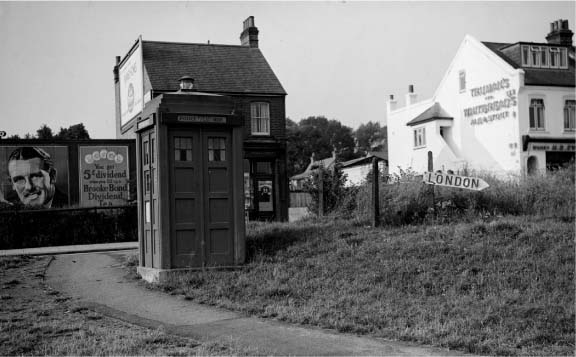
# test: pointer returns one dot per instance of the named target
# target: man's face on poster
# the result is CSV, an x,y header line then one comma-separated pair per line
x,y
33,185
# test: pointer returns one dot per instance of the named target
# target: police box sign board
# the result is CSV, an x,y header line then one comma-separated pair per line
x,y
104,176
131,85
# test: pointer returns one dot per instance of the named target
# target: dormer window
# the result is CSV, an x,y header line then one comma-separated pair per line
x,y
544,57
554,57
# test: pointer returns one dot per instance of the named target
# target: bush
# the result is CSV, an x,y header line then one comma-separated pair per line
x,y
44,228
333,189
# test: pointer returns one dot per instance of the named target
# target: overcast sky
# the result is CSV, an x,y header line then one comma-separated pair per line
x,y
337,59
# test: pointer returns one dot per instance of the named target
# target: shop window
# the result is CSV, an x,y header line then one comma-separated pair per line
x,y
182,149
569,115
217,149
537,114
419,137
462,77
260,116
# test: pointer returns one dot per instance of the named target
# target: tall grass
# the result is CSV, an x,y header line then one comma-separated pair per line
x,y
409,200
504,287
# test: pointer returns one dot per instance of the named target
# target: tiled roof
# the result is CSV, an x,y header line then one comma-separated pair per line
x,y
215,68
535,76
435,112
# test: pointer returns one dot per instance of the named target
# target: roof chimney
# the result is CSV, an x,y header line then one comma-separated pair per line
x,y
411,97
560,33
391,104
249,35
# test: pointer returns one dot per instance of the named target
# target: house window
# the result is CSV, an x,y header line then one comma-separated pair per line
x,y
419,137
260,118
462,75
563,58
554,57
525,56
535,56
537,114
543,57
569,115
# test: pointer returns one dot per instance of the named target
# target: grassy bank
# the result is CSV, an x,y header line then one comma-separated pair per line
x,y
37,321
504,287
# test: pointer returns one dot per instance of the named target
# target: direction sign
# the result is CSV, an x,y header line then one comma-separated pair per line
x,y
442,179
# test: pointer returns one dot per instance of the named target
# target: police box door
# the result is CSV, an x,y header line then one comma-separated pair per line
x,y
201,213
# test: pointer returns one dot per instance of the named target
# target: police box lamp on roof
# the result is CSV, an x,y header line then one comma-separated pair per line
x,y
186,83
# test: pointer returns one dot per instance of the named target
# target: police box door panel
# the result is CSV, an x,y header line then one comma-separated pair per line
x,y
218,201
186,224
150,199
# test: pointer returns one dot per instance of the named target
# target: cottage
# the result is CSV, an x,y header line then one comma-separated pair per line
x,y
240,72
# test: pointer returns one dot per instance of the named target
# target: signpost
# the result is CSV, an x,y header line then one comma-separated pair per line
x,y
455,181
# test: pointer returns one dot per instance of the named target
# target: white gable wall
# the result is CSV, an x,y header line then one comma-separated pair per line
x,y
485,130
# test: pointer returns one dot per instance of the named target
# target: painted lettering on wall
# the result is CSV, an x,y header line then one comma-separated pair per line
x,y
553,147
504,83
492,109
103,175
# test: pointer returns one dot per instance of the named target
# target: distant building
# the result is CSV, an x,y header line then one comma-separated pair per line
x,y
240,72
507,108
357,170
297,181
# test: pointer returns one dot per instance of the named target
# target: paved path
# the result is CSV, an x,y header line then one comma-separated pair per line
x,y
68,249
97,281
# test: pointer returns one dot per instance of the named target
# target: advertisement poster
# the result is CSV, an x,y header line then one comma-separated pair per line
x,y
34,177
104,176
265,196
131,86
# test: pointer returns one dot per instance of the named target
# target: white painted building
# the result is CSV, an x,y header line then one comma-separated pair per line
x,y
507,108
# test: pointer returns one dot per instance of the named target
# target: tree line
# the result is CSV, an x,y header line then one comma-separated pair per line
x,y
73,132
322,137
313,135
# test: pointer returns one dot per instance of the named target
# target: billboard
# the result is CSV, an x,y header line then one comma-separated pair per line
x,y
131,74
104,175
34,177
